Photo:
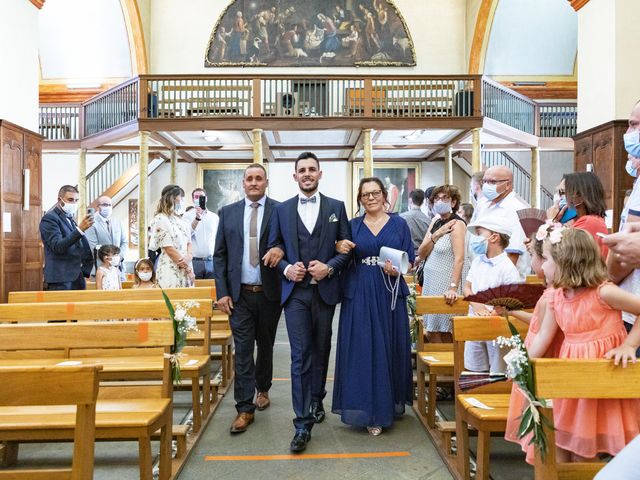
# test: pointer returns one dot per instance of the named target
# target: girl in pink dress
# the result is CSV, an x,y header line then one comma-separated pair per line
x,y
517,401
587,309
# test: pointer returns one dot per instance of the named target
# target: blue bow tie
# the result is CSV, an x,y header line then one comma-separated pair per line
x,y
307,200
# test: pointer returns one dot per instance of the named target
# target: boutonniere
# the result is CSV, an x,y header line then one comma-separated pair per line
x,y
333,218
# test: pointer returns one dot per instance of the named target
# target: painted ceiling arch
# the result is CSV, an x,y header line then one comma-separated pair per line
x,y
532,38
304,33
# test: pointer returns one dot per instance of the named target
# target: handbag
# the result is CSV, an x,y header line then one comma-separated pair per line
x,y
419,273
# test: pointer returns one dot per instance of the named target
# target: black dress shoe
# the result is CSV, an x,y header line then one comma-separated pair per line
x,y
317,411
300,440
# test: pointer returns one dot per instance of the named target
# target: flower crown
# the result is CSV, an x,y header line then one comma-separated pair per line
x,y
552,231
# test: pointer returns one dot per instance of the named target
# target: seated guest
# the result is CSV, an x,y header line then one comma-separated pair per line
x,y
445,264
491,268
108,274
67,255
416,219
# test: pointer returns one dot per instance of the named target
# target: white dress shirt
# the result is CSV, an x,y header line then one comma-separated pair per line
x,y
250,274
309,211
203,237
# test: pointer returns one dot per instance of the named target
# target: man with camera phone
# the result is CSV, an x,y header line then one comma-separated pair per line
x,y
204,226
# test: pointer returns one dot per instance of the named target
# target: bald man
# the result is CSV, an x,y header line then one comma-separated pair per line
x,y
107,230
499,198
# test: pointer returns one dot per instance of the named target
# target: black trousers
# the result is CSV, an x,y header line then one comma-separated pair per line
x,y
308,320
254,321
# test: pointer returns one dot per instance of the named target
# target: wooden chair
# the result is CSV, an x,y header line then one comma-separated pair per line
x,y
134,414
560,378
494,396
76,387
91,305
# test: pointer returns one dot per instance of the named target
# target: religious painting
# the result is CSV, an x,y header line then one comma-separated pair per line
x,y
133,223
310,33
222,182
399,179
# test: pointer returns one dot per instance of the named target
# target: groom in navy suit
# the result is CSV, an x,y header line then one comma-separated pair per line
x,y
307,228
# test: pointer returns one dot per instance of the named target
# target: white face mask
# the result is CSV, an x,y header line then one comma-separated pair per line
x,y
145,276
69,208
179,208
106,211
115,261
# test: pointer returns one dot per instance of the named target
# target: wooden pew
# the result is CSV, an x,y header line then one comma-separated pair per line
x,y
127,284
75,387
194,364
561,378
220,331
495,396
136,416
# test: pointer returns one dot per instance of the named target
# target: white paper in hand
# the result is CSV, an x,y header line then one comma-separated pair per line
x,y
399,259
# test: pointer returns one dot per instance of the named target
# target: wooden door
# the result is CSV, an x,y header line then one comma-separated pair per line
x,y
32,255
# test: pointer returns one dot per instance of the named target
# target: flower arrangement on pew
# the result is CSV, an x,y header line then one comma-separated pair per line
x,y
519,297
411,310
183,323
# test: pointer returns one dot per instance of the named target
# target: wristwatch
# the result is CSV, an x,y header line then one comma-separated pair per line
x,y
453,286
330,272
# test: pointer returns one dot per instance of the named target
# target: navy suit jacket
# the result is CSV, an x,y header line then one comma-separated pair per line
x,y
227,258
66,250
334,226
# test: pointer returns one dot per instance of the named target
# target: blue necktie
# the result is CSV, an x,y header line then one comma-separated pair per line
x,y
307,200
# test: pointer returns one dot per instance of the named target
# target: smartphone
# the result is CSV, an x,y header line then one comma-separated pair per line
x,y
202,202
91,211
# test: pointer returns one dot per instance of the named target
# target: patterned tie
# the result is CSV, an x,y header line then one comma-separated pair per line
x,y
108,222
253,235
308,200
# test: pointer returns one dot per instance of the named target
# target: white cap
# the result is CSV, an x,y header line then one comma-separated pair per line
x,y
493,222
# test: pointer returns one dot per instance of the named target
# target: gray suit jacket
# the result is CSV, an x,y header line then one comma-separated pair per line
x,y
98,234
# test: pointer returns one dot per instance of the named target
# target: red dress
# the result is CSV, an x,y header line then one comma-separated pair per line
x,y
594,224
589,426
517,401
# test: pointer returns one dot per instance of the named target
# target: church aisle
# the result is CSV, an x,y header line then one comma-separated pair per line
x,y
402,452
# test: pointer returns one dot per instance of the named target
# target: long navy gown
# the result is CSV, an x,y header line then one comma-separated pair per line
x,y
373,379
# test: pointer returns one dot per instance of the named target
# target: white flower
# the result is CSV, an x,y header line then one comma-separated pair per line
x,y
515,360
555,236
179,313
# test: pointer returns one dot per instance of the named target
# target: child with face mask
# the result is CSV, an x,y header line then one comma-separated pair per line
x,y
144,276
490,268
107,274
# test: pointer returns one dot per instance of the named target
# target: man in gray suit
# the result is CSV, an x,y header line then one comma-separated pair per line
x,y
106,230
417,220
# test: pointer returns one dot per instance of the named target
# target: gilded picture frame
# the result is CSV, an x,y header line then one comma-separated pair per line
x,y
400,179
222,182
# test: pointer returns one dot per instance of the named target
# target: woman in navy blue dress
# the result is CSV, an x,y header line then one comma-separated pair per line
x,y
373,378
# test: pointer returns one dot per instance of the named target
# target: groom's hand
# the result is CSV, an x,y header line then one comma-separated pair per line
x,y
318,270
296,272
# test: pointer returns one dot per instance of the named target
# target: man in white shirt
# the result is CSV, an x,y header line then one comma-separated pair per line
x,y
500,199
204,225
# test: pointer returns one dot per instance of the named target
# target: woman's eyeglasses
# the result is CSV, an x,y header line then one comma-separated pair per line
x,y
374,194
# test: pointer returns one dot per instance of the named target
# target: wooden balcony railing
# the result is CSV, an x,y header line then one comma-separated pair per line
x,y
558,119
351,96
60,121
507,106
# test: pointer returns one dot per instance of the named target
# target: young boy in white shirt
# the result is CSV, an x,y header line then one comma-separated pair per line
x,y
490,268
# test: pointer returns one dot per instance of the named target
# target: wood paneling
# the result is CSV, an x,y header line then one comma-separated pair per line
x,y
602,147
578,4
548,91
20,249
38,3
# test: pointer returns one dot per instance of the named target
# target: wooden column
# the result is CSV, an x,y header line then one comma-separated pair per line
x,y
476,159
174,166
448,165
82,184
367,147
535,177
256,135
142,194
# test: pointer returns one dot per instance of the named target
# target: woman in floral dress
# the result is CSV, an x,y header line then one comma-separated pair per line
x,y
173,235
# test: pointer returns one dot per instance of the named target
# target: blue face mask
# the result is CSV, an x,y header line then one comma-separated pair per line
x,y
570,213
632,143
478,244
630,170
490,191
